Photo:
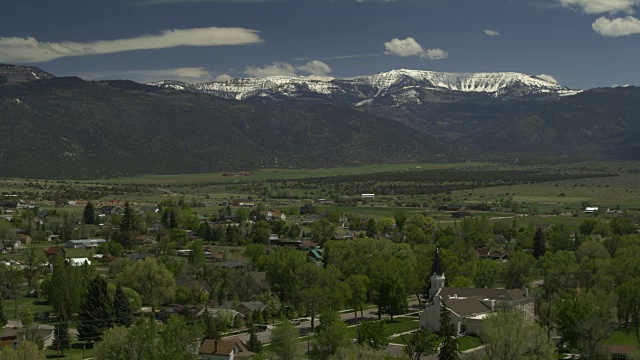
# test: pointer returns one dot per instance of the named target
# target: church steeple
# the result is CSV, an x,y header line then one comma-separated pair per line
x,y
437,278
437,265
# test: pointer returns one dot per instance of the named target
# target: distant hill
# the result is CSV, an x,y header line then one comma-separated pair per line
x,y
15,74
70,128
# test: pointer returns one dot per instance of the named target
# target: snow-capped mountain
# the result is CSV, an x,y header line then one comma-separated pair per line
x,y
408,85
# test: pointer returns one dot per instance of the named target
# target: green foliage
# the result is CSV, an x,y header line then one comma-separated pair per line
x,y
67,287
284,341
3,317
488,273
449,336
539,244
26,350
254,344
391,295
322,231
508,335
61,340
95,313
422,342
122,312
89,214
373,333
331,335
151,279
518,270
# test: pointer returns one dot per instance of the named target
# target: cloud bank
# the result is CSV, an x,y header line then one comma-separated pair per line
x,y
616,27
410,47
16,49
314,69
548,78
600,6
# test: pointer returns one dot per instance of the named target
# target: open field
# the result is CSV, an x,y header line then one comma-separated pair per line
x,y
281,174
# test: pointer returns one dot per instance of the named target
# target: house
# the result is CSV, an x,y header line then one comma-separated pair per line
x,y
3,249
7,336
25,240
243,203
316,255
111,210
368,196
460,214
79,261
53,237
543,227
591,210
450,207
259,280
488,253
85,243
276,215
245,308
191,283
228,349
469,306
214,312
306,209
55,251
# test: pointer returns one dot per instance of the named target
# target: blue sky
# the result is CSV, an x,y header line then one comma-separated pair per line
x,y
581,43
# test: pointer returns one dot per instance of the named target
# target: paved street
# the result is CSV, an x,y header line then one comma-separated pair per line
x,y
305,327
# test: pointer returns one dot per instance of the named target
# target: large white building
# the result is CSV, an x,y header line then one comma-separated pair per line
x,y
469,306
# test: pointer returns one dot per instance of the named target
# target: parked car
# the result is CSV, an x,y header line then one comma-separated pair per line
x,y
261,328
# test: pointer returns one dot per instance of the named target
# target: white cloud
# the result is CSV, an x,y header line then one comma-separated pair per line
x,y
185,74
601,6
315,67
616,27
317,70
223,77
275,69
492,32
548,78
410,47
15,49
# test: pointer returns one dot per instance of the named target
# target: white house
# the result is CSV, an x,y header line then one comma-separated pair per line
x,y
84,243
469,306
368,196
229,349
79,261
591,210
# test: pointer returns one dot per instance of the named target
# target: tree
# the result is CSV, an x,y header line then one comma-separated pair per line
x,y
322,231
358,286
61,338
33,265
284,341
196,257
449,335
128,221
508,335
487,273
95,311
373,333
178,339
400,219
11,278
422,342
332,335
391,295
89,214
151,279
518,270
26,350
210,325
122,313
539,244
26,318
254,344
3,317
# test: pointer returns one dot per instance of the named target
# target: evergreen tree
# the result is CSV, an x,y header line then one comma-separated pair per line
x,y
539,244
173,223
89,214
449,348
128,221
61,337
254,344
210,326
3,316
122,314
95,311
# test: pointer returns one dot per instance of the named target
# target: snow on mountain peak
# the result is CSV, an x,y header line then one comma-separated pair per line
x,y
366,87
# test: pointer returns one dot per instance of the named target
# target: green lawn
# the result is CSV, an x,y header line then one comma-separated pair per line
x,y
75,353
622,337
468,342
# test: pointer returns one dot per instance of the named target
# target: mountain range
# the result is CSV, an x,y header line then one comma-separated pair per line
x,y
71,128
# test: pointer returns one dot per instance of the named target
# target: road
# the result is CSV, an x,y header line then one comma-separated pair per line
x,y
305,327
